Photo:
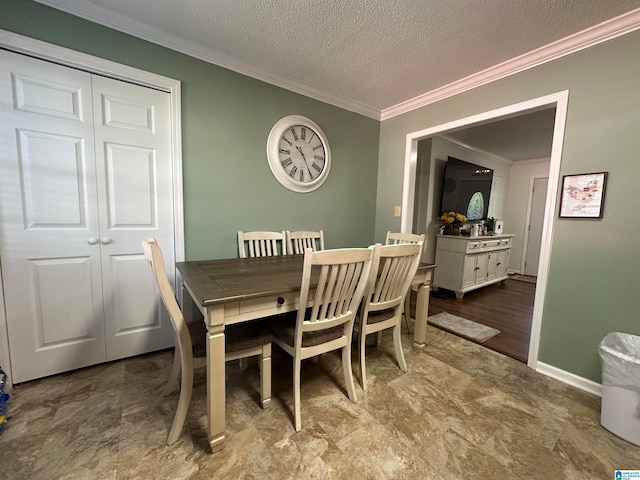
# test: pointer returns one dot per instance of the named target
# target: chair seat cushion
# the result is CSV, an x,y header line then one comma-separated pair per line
x,y
380,316
246,335
284,328
237,337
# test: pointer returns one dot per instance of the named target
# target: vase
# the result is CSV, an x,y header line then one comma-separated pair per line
x,y
451,230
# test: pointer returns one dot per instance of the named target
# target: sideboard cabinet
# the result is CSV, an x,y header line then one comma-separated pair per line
x,y
466,263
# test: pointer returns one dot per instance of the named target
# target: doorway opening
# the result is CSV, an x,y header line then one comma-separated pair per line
x,y
559,101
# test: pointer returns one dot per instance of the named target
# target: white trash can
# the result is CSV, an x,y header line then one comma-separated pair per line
x,y
620,411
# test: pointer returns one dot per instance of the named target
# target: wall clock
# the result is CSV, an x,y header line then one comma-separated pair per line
x,y
298,153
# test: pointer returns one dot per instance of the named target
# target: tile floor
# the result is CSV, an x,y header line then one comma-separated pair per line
x,y
461,412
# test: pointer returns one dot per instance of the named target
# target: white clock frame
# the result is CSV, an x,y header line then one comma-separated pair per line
x,y
276,133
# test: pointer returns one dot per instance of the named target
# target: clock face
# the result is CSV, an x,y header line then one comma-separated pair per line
x,y
302,154
298,153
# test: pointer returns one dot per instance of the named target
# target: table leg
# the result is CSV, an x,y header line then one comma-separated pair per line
x,y
422,311
214,319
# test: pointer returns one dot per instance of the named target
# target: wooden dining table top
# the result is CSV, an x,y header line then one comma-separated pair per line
x,y
224,280
220,281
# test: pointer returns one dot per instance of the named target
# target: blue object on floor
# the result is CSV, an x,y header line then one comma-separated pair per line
x,y
4,398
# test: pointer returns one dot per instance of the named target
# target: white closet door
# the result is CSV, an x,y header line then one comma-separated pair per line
x,y
135,198
49,233
85,175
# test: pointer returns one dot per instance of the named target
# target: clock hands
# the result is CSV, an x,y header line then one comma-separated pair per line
x,y
305,161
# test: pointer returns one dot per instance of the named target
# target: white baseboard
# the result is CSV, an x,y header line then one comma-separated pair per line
x,y
570,378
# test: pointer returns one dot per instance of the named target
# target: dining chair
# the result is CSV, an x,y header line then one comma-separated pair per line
x,y
327,323
241,341
261,244
395,238
299,241
392,270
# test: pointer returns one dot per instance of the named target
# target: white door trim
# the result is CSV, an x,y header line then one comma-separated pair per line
x,y
71,58
560,100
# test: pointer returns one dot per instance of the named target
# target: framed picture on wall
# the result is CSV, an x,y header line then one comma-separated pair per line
x,y
583,195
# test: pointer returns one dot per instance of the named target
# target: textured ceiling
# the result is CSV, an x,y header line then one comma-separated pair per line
x,y
365,55
524,137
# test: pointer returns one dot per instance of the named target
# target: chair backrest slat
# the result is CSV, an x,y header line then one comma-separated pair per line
x,y
299,241
343,276
395,266
394,238
261,244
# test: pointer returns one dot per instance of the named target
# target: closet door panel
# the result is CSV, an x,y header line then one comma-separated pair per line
x,y
61,311
49,250
131,187
131,314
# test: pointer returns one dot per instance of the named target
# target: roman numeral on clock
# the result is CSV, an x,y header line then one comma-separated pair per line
x,y
286,162
286,152
316,167
293,132
292,172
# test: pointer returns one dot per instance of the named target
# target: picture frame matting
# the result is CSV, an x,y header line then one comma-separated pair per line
x,y
583,195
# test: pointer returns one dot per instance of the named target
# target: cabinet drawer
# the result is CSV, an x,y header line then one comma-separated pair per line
x,y
277,301
490,243
473,247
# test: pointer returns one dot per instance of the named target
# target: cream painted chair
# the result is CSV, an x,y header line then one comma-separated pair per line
x,y
327,324
298,242
241,341
395,238
394,266
261,244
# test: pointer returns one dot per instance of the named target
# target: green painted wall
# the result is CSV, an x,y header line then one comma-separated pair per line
x,y
226,118
593,279
228,185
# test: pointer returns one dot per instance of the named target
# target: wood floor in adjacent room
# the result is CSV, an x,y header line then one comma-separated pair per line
x,y
507,306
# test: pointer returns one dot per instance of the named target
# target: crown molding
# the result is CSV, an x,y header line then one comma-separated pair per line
x,y
532,161
102,16
589,37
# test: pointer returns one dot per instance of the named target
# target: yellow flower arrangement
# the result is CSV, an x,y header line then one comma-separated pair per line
x,y
452,219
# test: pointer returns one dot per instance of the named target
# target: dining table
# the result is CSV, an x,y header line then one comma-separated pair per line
x,y
234,290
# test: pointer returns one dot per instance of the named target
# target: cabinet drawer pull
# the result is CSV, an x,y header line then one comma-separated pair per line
x,y
280,301
477,268
498,263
